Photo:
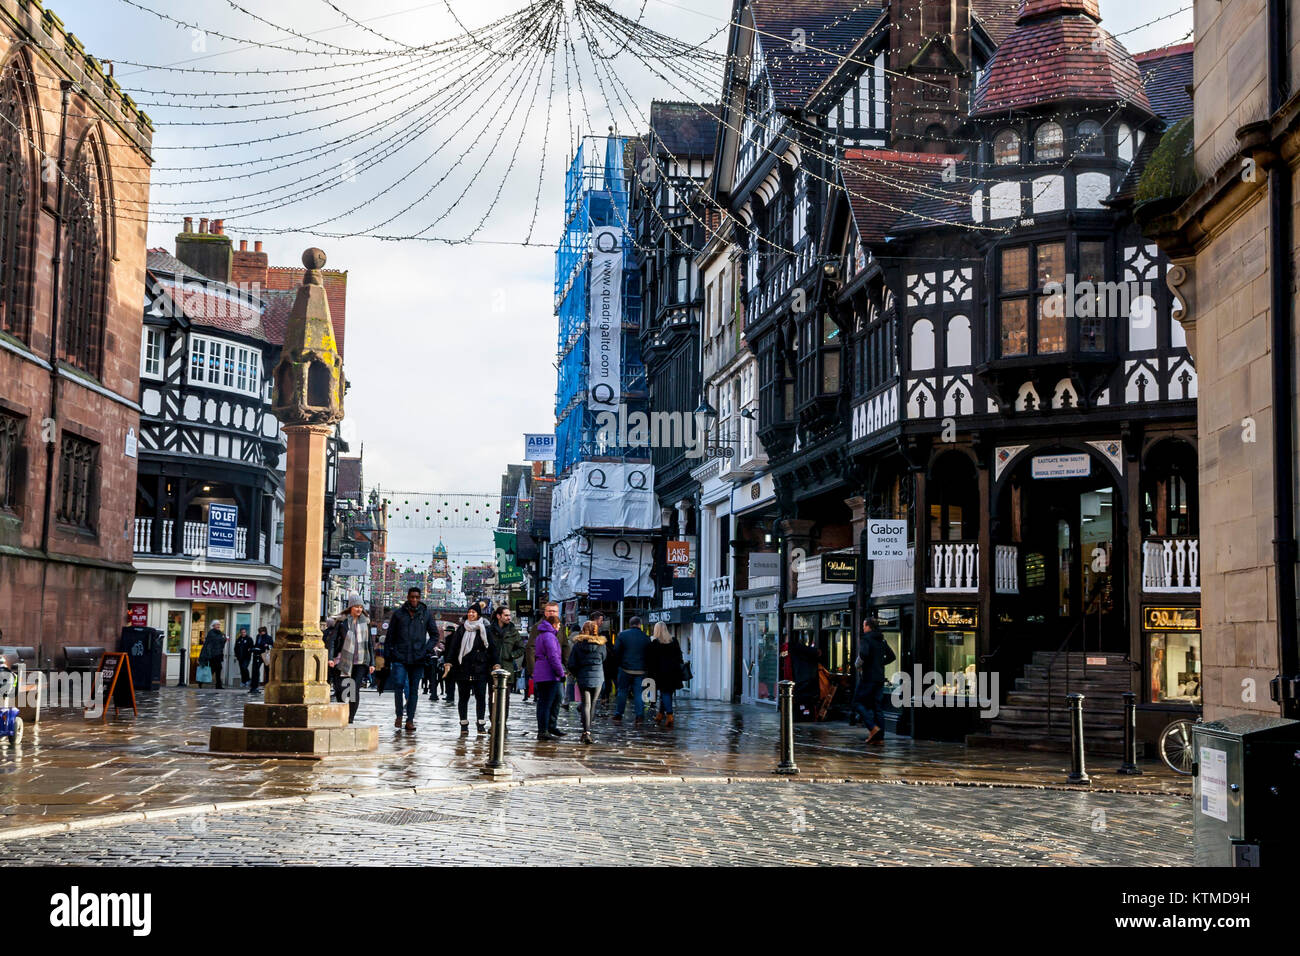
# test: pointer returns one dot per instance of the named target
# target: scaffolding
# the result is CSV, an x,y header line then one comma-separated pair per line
x,y
596,193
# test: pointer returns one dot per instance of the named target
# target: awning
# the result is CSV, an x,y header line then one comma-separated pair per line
x,y
820,602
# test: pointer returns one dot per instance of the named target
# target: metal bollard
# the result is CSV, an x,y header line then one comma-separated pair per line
x,y
1077,772
496,765
785,708
1130,766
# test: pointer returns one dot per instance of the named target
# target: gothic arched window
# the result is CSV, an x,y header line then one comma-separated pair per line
x,y
1006,148
82,317
16,203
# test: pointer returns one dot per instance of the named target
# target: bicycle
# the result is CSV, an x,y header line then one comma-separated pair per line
x,y
1175,746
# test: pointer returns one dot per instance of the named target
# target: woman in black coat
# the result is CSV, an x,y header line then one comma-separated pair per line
x,y
663,659
468,660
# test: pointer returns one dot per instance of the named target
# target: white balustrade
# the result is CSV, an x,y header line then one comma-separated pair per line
x,y
719,597
954,566
1006,569
143,533
894,576
1171,565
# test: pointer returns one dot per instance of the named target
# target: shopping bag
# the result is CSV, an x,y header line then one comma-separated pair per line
x,y
203,674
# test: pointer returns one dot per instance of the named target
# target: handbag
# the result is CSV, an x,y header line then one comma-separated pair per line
x,y
687,673
266,658
203,674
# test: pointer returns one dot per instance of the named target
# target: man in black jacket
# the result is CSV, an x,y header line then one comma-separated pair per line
x,y
243,654
406,648
868,698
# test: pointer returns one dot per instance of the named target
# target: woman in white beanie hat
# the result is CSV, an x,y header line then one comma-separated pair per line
x,y
353,652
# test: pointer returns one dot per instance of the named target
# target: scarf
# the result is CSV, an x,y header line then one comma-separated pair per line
x,y
474,631
356,639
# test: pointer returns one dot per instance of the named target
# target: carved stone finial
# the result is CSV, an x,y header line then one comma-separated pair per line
x,y
314,260
309,382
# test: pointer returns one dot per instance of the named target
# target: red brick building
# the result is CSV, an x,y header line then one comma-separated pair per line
x,y
74,180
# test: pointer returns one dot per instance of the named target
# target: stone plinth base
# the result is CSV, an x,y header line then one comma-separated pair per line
x,y
232,738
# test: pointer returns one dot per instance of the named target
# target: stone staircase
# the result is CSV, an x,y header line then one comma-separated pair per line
x,y
1021,724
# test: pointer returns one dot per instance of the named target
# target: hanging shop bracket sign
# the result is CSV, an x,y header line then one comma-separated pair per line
x,y
963,617
1171,619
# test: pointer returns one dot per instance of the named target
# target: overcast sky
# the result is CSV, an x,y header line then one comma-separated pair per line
x,y
449,348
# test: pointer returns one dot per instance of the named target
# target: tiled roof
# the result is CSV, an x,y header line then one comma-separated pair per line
x,y
288,278
891,190
160,260
997,17
830,28
205,302
685,129
1053,55
1167,74
275,320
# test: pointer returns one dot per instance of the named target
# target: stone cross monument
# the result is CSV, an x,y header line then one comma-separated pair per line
x,y
295,715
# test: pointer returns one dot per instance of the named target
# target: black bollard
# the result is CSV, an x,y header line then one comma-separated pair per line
x,y
1077,772
496,765
1130,766
785,709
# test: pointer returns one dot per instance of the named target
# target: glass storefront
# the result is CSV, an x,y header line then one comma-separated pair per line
x,y
762,657
1174,661
837,641
954,656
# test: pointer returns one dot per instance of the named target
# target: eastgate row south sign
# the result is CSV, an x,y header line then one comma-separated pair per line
x,y
217,589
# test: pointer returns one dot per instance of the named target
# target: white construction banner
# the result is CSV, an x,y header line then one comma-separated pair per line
x,y
605,495
605,320
579,558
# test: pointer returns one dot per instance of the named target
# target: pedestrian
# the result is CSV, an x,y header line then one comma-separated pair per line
x,y
243,654
509,651
868,696
261,657
446,683
632,644
663,661
214,652
406,648
468,661
587,665
804,658
611,674
352,660
548,674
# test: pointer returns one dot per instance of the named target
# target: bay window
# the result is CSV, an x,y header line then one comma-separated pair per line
x,y
1042,310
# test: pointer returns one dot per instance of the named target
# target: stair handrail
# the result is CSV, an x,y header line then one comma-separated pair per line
x,y
1052,663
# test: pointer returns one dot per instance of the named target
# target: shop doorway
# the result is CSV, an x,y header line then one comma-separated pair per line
x,y
762,658
1070,539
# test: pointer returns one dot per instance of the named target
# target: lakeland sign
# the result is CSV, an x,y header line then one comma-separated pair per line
x,y
217,589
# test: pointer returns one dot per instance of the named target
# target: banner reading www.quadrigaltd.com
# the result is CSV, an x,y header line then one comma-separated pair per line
x,y
605,319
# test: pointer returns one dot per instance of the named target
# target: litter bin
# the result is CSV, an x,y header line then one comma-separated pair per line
x,y
1246,788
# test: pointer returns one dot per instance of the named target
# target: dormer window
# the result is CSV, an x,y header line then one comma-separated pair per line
x,y
1006,148
1049,142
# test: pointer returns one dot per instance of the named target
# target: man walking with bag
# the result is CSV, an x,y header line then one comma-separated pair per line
x,y
868,697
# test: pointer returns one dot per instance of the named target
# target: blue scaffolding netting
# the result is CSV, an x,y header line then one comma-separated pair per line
x,y
596,194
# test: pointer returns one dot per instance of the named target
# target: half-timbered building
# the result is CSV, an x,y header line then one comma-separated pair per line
x,y
957,325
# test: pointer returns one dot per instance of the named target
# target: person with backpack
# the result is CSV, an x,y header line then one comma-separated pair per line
x,y
632,644
587,665
663,662
412,632
468,659
243,655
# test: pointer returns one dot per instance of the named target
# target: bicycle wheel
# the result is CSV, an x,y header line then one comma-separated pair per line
x,y
1176,746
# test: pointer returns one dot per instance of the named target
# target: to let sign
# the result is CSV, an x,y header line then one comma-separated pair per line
x,y
539,447
222,522
217,589
886,539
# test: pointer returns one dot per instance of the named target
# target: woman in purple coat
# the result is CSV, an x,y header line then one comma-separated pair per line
x,y
548,675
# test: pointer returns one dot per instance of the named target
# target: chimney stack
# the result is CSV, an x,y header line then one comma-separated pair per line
x,y
248,269
207,251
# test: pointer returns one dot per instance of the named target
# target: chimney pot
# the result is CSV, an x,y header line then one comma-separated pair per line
x,y
218,227
203,225
257,245
189,223
243,245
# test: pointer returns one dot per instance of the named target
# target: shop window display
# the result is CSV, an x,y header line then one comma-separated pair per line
x,y
1175,659
954,654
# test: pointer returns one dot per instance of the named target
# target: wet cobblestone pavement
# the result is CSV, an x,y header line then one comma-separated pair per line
x,y
71,772
666,824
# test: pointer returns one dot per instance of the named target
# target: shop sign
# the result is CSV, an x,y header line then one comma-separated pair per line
x,y
352,567
683,589
604,589
963,617
1061,466
139,615
222,522
764,564
1171,619
886,539
524,608
217,589
672,615
758,605
712,617
539,447
839,568
679,552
